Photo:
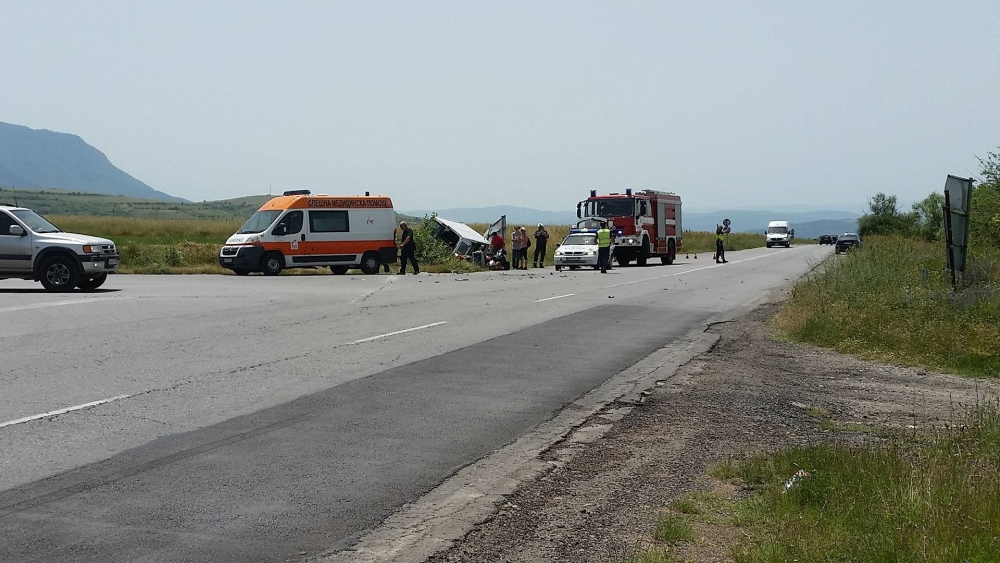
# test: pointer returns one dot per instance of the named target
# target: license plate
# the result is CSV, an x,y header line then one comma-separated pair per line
x,y
113,262
227,260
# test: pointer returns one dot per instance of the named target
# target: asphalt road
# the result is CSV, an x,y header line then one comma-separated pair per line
x,y
259,419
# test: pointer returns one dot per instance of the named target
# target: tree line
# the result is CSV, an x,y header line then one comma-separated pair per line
x,y
925,219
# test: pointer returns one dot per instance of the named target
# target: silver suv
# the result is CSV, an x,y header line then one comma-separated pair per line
x,y
31,248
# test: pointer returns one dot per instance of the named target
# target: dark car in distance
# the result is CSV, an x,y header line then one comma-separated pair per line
x,y
847,241
826,239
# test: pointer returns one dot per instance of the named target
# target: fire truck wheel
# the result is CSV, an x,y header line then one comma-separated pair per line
x,y
623,260
668,259
643,256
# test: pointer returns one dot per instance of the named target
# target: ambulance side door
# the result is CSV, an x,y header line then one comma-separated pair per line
x,y
330,237
289,236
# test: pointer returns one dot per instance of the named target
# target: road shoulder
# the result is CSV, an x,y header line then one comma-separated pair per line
x,y
596,495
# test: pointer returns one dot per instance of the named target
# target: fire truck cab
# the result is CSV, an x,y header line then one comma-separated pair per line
x,y
646,224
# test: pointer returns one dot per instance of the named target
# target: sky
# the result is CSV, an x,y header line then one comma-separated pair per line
x,y
532,104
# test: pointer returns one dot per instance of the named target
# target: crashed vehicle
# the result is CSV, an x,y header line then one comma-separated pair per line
x,y
466,243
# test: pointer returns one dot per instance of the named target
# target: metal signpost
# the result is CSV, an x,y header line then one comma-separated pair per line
x,y
957,203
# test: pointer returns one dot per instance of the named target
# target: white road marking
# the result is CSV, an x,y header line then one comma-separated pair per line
x,y
694,270
388,334
42,305
63,411
368,294
556,297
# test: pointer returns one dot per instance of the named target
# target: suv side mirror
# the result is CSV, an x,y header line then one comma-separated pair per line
x,y
17,231
280,230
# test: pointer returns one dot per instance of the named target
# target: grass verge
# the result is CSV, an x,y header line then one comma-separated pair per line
x,y
891,301
903,496
906,497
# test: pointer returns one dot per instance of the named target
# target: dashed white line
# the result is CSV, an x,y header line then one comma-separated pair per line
x,y
388,334
556,297
62,411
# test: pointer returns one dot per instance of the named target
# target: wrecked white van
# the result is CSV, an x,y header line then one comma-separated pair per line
x,y
464,240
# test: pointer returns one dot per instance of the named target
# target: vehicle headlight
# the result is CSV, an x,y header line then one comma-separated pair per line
x,y
253,240
559,253
593,252
92,249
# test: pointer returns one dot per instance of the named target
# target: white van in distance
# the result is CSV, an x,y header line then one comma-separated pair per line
x,y
779,233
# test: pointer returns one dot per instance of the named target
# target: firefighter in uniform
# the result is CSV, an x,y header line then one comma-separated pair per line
x,y
720,246
604,246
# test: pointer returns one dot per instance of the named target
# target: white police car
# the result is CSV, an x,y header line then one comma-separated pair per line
x,y
578,249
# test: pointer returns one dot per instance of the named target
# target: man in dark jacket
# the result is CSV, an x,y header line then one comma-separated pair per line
x,y
408,250
541,239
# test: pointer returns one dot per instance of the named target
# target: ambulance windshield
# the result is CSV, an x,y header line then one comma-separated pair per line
x,y
259,222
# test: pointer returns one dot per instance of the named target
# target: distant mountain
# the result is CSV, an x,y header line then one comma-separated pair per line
x,y
752,221
805,222
38,158
514,215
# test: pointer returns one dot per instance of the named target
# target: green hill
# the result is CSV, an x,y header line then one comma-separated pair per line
x,y
38,158
60,202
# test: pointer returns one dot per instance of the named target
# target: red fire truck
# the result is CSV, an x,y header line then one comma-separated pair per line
x,y
644,225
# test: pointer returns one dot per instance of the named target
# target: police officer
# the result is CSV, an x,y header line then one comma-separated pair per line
x,y
604,246
720,246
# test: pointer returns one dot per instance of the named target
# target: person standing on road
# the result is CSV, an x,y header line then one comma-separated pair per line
x,y
604,246
525,245
408,250
720,246
515,245
541,240
385,265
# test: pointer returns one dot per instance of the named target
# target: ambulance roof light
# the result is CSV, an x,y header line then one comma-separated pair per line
x,y
298,192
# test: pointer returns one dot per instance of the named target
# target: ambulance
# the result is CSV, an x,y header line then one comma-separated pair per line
x,y
302,230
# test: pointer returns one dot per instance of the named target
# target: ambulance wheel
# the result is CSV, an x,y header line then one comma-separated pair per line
x,y
272,263
339,270
370,263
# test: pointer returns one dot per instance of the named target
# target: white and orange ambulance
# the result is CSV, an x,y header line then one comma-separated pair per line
x,y
299,230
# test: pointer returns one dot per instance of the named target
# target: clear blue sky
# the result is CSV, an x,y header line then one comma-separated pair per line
x,y
467,103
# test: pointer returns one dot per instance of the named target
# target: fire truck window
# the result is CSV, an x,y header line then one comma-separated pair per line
x,y
614,208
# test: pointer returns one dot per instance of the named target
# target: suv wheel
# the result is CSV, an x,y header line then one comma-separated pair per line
x,y
59,273
92,283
